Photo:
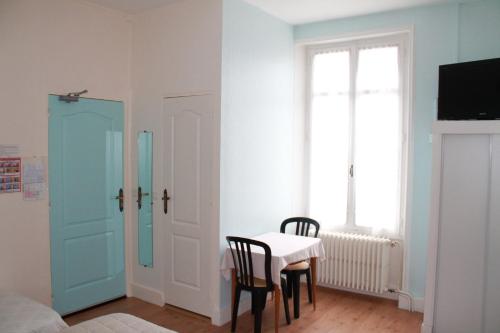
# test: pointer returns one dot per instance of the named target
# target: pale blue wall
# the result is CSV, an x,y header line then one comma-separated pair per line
x,y
443,34
479,30
256,123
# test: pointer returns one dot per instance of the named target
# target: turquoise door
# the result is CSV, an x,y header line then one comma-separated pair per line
x,y
86,218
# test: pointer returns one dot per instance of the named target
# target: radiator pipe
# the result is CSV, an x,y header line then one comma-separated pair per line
x,y
404,293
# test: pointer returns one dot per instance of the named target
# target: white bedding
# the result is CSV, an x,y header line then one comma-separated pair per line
x,y
19,314
114,323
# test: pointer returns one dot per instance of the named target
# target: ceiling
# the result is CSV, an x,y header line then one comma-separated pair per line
x,y
132,6
304,11
291,11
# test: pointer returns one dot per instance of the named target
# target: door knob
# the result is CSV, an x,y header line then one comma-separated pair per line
x,y
120,198
165,199
139,198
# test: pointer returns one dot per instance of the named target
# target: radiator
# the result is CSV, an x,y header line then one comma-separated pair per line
x,y
355,261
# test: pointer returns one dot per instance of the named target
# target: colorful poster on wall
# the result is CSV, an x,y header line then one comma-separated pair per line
x,y
10,174
34,178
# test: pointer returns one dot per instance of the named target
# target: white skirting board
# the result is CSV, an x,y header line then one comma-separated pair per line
x,y
147,294
223,316
403,303
425,328
219,316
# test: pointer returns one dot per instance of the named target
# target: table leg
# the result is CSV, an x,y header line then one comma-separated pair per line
x,y
277,297
314,280
233,287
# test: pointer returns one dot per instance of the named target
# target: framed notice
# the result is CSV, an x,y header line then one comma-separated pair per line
x,y
10,174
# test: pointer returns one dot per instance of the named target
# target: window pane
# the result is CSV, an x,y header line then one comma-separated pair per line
x,y
378,69
329,160
329,139
377,143
331,73
377,140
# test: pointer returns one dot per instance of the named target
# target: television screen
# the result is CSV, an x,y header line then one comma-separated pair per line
x,y
469,90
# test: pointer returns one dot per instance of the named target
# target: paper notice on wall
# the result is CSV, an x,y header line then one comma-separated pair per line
x,y
34,178
9,150
35,191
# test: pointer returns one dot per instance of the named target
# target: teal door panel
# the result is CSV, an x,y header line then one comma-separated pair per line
x,y
145,182
86,224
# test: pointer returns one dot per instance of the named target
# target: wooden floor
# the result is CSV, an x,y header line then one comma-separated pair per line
x,y
336,311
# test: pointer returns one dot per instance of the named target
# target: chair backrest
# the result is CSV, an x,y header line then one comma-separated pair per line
x,y
241,250
303,224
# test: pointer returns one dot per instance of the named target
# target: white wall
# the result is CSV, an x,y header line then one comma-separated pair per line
x,y
50,46
176,50
256,125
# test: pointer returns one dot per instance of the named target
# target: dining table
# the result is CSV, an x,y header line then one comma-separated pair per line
x,y
286,249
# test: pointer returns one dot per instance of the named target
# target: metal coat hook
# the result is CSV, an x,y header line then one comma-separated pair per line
x,y
72,96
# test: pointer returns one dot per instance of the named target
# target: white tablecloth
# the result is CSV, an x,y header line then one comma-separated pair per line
x,y
285,249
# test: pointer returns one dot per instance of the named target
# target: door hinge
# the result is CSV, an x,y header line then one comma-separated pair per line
x,y
351,171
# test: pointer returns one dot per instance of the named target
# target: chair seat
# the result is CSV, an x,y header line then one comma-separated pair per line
x,y
298,266
259,283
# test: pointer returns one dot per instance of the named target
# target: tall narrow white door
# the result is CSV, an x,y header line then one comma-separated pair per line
x,y
187,171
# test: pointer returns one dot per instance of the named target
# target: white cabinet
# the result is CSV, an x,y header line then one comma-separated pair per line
x,y
463,278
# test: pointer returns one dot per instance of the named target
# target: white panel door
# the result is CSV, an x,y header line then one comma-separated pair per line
x,y
465,179
187,170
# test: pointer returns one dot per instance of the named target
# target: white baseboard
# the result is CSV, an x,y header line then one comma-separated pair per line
x,y
223,316
403,302
426,328
418,303
147,294
356,291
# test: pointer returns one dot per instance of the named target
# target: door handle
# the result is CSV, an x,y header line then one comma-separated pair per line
x,y
165,199
120,199
139,197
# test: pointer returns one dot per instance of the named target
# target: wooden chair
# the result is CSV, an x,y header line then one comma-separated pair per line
x,y
243,275
294,271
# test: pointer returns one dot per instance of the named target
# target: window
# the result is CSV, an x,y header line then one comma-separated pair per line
x,y
357,129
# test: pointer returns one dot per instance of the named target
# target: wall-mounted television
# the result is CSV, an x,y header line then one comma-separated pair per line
x,y
469,90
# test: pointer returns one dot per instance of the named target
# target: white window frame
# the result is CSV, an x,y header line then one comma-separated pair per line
x,y
402,40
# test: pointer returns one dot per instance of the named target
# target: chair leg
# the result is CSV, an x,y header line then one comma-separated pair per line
x,y
260,299
253,304
296,295
289,284
309,285
277,293
235,309
284,288
257,321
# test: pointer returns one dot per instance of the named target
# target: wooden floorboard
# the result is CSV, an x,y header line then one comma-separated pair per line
x,y
336,312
